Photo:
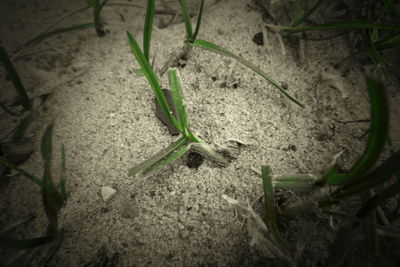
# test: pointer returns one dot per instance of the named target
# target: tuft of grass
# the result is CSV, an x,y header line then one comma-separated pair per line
x,y
180,122
53,198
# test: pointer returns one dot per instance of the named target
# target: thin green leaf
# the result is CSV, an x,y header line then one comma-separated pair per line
x,y
302,18
21,129
356,24
152,79
198,23
148,26
388,42
52,199
46,144
63,170
204,149
140,168
295,182
186,17
19,87
220,50
171,157
46,35
8,242
20,171
270,209
177,96
378,132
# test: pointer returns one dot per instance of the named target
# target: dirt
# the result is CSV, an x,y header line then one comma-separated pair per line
x,y
104,115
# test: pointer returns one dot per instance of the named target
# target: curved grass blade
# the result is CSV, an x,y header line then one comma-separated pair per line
x,y
148,26
270,209
8,242
145,165
46,35
196,31
220,50
177,96
186,17
340,25
11,165
377,137
153,80
307,14
19,87
52,199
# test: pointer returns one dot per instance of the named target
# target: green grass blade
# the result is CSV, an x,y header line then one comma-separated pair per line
x,y
381,174
198,23
177,96
220,50
378,131
63,170
340,25
145,165
8,242
186,17
295,183
153,80
148,26
46,35
272,219
52,199
97,6
19,87
11,165
46,144
168,159
388,42
204,149
21,129
306,15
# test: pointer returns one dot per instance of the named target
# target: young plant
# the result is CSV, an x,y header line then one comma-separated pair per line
x,y
192,41
180,122
53,198
97,6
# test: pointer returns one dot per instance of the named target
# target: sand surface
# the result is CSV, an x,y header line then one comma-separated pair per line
x,y
105,116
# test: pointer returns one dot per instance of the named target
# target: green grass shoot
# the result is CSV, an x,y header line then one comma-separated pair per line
x,y
188,139
148,26
97,6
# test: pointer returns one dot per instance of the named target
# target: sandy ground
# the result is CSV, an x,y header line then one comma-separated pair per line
x,y
104,115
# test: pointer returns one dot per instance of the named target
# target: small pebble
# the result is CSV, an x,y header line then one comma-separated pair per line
x,y
107,193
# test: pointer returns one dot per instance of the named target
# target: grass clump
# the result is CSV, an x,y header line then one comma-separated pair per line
x,y
180,122
53,199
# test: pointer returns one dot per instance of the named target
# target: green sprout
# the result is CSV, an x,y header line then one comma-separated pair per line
x,y
97,6
180,121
